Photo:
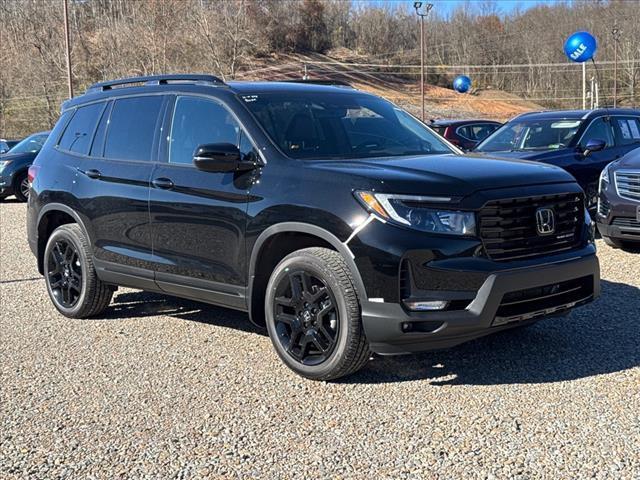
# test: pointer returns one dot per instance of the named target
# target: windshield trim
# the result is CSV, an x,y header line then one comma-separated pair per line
x,y
239,97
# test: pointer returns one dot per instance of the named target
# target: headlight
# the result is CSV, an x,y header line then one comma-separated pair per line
x,y
411,211
4,163
604,179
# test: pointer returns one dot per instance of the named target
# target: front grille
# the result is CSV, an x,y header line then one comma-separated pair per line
x,y
509,230
628,184
539,301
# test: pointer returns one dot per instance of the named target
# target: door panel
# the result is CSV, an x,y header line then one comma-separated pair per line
x,y
114,191
198,218
587,169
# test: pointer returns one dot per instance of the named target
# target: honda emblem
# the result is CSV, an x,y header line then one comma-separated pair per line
x,y
545,221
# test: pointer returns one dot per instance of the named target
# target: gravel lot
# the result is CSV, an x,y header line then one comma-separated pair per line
x,y
165,388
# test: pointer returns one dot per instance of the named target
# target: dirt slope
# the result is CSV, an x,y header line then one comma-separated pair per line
x,y
440,102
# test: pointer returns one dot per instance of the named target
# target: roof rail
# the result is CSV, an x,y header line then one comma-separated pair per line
x,y
156,80
337,83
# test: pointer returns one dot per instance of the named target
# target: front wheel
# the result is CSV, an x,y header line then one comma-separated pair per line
x,y
313,315
21,187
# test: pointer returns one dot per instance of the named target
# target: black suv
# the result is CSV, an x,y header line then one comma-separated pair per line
x,y
330,215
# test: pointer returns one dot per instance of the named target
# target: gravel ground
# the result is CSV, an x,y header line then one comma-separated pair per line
x,y
165,388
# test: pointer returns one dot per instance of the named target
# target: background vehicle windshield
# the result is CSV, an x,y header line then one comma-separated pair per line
x,y
336,126
31,144
526,135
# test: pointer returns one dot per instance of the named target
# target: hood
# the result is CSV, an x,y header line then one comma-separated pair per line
x,y
18,156
457,175
630,160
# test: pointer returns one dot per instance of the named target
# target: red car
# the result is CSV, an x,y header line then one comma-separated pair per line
x,y
465,134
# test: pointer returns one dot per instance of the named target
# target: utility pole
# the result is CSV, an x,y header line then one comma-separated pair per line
x,y
616,38
422,12
66,37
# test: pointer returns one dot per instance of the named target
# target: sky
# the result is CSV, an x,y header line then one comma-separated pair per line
x,y
447,6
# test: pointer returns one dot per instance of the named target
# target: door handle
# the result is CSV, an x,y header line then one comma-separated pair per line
x,y
92,173
163,183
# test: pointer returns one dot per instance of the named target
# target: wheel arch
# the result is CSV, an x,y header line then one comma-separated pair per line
x,y
50,217
257,280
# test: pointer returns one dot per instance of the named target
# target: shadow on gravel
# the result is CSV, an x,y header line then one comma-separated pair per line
x,y
602,337
147,304
599,338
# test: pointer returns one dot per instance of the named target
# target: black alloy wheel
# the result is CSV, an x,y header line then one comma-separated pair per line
x,y
64,272
306,318
312,313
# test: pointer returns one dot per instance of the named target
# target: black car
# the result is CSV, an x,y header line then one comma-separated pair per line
x,y
618,215
582,142
465,134
334,218
15,163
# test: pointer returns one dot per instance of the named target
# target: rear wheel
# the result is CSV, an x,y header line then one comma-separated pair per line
x,y
71,279
313,315
21,187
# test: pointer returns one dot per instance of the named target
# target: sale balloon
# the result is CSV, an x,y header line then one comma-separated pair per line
x,y
580,47
462,84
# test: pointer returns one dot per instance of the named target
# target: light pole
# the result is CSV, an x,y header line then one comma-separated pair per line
x,y
616,38
66,37
422,10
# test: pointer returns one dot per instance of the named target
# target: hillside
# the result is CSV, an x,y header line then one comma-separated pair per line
x,y
439,102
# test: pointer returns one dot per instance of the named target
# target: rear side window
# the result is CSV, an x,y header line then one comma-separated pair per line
x,y
627,130
79,132
132,128
197,121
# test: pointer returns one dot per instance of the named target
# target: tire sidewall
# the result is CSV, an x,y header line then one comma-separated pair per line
x,y
316,267
16,187
69,235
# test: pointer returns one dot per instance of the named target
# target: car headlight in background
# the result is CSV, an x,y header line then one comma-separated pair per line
x,y
604,179
409,210
4,163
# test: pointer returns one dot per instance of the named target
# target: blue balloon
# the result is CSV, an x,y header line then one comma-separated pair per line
x,y
462,84
580,47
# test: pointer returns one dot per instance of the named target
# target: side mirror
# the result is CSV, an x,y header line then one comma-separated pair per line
x,y
593,145
220,157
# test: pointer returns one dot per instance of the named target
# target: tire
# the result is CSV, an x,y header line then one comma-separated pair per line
x,y
19,190
323,320
70,276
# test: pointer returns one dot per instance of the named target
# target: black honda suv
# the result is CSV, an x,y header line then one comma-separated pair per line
x,y
334,218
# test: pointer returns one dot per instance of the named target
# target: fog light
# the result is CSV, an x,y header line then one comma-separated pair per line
x,y
426,305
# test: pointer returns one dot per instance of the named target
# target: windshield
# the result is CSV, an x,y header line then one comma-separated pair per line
x,y
527,135
31,144
337,126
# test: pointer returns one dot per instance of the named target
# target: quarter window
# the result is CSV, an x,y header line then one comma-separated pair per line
x,y
627,130
132,128
78,134
198,121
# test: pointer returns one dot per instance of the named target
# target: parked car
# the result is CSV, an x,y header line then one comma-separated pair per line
x,y
330,215
618,215
465,134
582,142
6,145
14,166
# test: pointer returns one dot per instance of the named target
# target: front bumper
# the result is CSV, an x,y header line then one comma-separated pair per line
x,y
391,329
